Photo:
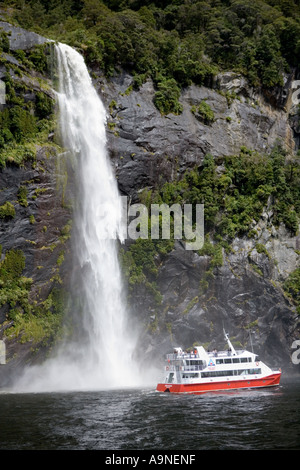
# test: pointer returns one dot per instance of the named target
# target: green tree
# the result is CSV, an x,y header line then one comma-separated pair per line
x,y
167,96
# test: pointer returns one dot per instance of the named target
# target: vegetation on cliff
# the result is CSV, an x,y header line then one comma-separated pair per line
x,y
27,117
175,42
235,192
31,321
292,287
235,198
26,120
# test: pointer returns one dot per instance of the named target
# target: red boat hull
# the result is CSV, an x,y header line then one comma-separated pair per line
x,y
198,388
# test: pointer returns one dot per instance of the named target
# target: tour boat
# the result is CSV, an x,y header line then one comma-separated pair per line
x,y
202,371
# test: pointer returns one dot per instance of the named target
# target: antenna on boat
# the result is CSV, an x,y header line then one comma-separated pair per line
x,y
229,343
251,341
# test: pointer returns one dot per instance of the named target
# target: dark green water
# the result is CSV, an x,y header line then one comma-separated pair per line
x,y
144,419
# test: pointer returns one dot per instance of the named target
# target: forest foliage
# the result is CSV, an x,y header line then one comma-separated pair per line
x,y
181,40
235,191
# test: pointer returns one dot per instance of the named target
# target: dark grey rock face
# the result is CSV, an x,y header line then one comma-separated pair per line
x,y
244,295
37,231
148,148
19,38
37,228
249,306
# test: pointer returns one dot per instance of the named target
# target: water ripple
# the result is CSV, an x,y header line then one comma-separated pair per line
x,y
143,419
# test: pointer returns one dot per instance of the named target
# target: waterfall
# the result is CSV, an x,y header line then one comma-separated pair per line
x,y
98,222
102,355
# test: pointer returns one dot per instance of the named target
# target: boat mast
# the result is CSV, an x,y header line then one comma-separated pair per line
x,y
251,341
229,343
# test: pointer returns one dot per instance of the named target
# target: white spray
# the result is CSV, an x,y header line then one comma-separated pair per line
x,y
104,356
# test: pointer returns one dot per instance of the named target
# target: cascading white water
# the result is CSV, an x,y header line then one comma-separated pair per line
x,y
103,358
98,222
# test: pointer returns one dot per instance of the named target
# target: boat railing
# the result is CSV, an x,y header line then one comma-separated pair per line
x,y
225,353
176,356
173,368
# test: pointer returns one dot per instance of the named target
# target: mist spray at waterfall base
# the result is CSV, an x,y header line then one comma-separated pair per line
x,y
102,354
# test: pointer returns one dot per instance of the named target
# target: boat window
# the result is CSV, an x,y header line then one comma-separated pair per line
x,y
223,373
194,375
196,362
219,361
170,378
235,360
227,361
244,359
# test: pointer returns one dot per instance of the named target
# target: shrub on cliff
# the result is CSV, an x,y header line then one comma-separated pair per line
x,y
12,266
203,112
7,210
167,96
292,286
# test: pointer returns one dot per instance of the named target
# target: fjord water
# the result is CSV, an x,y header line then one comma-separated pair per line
x,y
142,419
101,356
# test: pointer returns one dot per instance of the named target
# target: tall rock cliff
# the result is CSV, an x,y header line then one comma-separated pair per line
x,y
243,292
35,220
186,297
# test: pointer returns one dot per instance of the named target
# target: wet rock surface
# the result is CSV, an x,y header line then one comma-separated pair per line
x,y
244,295
37,231
148,148
20,38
